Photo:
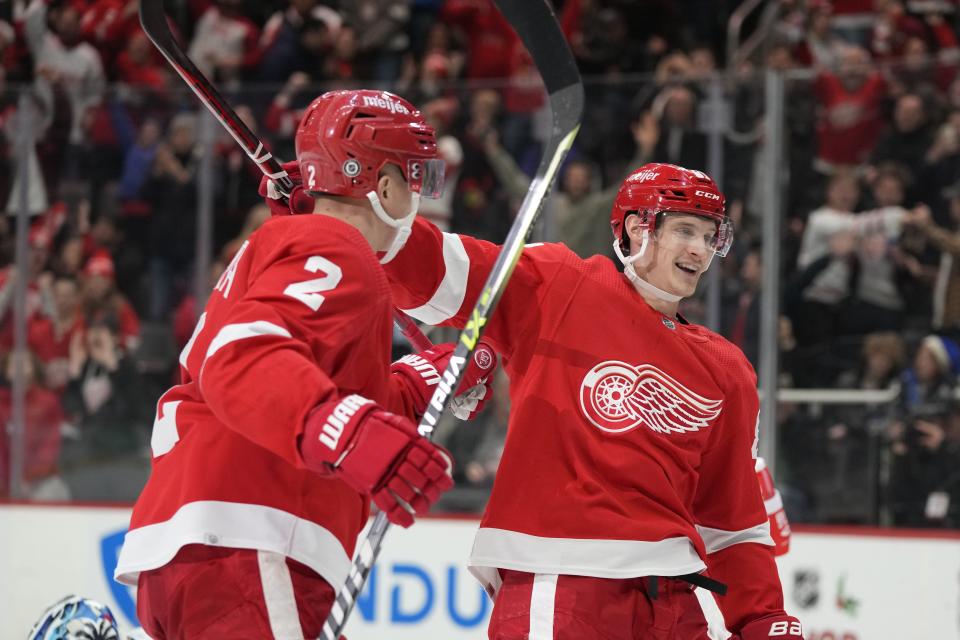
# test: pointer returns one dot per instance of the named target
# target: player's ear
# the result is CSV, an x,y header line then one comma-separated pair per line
x,y
383,185
632,226
391,182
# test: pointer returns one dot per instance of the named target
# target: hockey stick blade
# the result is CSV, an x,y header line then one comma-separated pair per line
x,y
537,26
153,18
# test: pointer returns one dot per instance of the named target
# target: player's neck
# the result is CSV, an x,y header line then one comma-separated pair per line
x,y
357,214
669,309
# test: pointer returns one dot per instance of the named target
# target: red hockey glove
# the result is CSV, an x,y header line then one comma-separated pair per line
x,y
299,202
379,454
422,372
779,626
779,525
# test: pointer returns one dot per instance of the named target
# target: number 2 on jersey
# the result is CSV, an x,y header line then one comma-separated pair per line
x,y
308,291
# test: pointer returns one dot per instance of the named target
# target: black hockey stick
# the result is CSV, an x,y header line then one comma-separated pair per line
x,y
537,26
154,21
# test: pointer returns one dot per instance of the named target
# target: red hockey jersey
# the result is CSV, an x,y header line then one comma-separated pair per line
x,y
632,435
302,315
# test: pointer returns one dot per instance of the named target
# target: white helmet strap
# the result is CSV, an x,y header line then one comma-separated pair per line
x,y
402,225
639,283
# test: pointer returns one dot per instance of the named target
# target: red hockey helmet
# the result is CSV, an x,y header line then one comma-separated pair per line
x,y
346,137
656,188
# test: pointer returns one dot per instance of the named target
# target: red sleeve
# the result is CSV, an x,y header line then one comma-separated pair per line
x,y
401,399
255,364
729,510
437,278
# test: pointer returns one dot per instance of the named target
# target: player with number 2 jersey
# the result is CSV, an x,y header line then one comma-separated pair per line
x,y
290,417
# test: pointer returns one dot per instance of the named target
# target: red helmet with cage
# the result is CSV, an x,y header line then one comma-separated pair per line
x,y
346,137
656,188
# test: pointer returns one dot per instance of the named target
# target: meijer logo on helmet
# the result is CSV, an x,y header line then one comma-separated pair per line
x,y
645,175
384,103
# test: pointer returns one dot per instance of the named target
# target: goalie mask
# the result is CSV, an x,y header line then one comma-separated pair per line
x,y
346,138
654,191
76,618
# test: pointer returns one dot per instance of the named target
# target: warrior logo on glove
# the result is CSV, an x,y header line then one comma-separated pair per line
x,y
617,397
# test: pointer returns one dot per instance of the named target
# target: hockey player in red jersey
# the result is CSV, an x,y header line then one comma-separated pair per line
x,y
628,471
290,418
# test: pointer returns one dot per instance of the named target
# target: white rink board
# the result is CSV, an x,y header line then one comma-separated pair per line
x,y
895,587
904,587
421,585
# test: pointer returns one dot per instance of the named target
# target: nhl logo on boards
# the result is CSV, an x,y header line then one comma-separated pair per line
x,y
617,397
351,168
806,588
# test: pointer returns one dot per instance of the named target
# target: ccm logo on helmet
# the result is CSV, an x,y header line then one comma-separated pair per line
x,y
384,103
706,194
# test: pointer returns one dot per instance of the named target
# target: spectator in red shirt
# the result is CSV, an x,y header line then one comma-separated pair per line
x,y
225,42
38,280
49,335
101,302
109,25
849,119
137,66
44,418
892,28
490,39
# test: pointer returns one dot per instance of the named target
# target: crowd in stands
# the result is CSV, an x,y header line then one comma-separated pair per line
x,y
871,289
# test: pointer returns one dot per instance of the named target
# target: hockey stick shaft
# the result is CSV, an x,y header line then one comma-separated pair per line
x,y
154,21
539,30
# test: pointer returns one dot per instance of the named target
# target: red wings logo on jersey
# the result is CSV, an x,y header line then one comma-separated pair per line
x,y
617,397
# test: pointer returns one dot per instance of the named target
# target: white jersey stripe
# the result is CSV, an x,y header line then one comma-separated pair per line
x,y
165,433
278,596
238,526
716,539
619,559
448,297
542,604
233,332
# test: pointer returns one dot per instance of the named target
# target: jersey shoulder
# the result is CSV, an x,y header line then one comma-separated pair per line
x,y
551,255
286,237
722,355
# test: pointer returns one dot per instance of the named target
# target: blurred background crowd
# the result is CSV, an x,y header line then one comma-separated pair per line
x,y
871,287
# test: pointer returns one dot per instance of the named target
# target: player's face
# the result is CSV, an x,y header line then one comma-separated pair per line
x,y
682,253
